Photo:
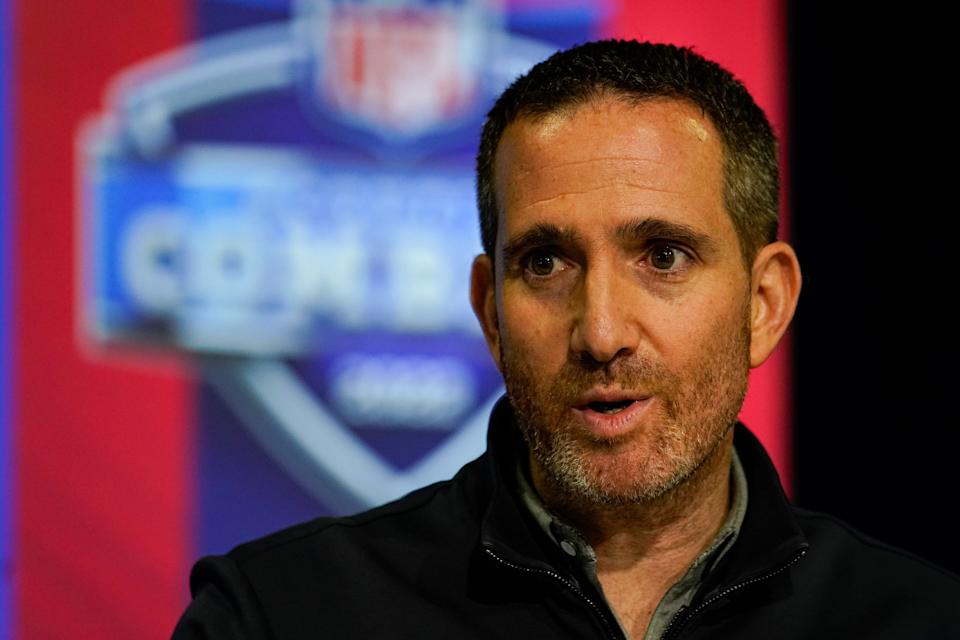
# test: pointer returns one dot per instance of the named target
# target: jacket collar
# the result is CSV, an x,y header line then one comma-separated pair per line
x,y
769,537
507,527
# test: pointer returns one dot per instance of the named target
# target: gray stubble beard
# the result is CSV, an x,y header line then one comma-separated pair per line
x,y
695,419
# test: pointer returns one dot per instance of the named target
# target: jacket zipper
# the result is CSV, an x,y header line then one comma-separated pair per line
x,y
672,630
596,608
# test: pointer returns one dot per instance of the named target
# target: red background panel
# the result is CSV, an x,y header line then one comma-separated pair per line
x,y
102,526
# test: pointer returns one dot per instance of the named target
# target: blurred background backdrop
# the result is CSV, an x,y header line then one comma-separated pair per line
x,y
234,245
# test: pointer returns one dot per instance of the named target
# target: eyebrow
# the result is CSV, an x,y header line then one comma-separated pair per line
x,y
540,235
647,228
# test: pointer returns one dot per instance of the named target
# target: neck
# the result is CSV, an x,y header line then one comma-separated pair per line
x,y
643,548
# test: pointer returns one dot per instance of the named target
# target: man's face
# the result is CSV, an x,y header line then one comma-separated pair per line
x,y
620,315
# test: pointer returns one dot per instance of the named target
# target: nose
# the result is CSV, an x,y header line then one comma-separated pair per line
x,y
606,324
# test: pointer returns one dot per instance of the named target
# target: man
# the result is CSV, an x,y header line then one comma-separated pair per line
x,y
628,195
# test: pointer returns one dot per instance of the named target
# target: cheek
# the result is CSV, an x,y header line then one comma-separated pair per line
x,y
534,332
690,329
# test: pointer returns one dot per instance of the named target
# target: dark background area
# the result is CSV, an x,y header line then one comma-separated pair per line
x,y
873,181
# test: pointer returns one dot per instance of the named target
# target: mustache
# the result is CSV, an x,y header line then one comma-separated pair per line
x,y
581,373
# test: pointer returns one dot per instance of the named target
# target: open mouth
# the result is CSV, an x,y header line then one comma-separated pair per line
x,y
610,408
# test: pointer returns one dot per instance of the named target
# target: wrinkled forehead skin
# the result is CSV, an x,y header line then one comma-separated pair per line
x,y
643,158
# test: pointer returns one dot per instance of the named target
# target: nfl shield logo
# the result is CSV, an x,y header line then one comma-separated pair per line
x,y
398,69
317,273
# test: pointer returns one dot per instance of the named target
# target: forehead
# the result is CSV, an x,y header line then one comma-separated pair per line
x,y
611,158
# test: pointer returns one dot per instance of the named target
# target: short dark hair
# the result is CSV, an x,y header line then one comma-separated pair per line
x,y
640,71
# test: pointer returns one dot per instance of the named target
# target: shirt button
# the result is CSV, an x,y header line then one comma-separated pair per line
x,y
568,548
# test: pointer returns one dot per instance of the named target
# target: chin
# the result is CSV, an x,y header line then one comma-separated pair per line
x,y
611,477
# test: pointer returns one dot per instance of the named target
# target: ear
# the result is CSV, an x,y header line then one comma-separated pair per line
x,y
775,290
483,299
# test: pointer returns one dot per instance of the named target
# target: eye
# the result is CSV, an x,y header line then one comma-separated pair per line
x,y
543,263
666,257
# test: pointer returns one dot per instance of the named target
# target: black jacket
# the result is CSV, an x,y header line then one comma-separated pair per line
x,y
461,559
